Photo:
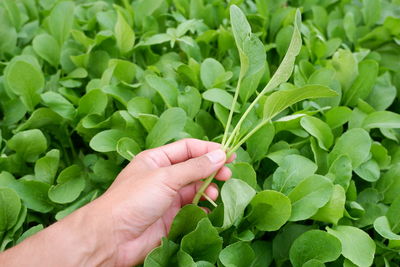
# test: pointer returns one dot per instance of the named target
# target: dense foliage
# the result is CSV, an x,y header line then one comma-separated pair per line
x,y
86,85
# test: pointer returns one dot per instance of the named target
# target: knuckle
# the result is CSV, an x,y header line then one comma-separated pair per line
x,y
200,165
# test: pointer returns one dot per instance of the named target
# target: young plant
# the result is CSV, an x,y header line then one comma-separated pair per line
x,y
252,59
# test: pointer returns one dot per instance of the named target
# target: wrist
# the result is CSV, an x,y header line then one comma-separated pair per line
x,y
80,239
87,237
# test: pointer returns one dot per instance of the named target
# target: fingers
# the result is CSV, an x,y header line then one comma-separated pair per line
x,y
181,174
175,152
223,174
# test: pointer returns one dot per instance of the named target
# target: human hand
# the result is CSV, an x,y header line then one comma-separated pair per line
x,y
148,193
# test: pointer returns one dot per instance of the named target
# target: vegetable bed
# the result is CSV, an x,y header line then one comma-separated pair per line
x,y
306,92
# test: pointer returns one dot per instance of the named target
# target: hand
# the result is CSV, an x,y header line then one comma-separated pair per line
x,y
123,225
149,192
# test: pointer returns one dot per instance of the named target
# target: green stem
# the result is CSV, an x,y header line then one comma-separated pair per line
x,y
247,136
203,187
228,123
237,127
270,86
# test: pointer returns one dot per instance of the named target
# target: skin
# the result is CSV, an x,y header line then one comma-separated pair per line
x,y
123,225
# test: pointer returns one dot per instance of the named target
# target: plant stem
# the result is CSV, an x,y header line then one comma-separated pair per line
x,y
247,136
203,187
210,200
270,86
242,118
234,101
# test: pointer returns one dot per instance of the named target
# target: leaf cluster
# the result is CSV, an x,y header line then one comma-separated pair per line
x,y
307,93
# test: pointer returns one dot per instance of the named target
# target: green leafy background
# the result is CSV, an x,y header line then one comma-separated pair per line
x,y
86,85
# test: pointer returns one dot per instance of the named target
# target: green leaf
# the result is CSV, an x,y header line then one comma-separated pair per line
x,y
393,215
10,206
221,97
212,74
345,64
139,105
381,119
263,253
235,195
190,101
360,143
389,184
94,102
371,11
310,195
25,79
284,239
203,243
156,39
30,232
185,222
357,246
28,144
70,184
369,171
362,86
319,129
124,70
270,210
337,116
286,67
39,118
238,254
161,256
382,226
59,104
383,93
292,171
340,171
106,141
315,244
34,195
13,13
258,144
47,48
127,148
167,91
61,20
333,211
76,205
124,35
168,127
280,100
254,54
185,259
314,263
241,30
245,172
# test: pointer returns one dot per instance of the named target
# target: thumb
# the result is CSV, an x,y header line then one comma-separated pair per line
x,y
194,169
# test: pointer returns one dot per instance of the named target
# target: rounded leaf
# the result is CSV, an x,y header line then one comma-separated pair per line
x,y
314,244
357,245
270,210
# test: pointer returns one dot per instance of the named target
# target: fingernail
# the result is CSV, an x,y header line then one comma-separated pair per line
x,y
216,156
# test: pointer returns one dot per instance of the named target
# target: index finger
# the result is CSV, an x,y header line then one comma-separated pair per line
x,y
176,152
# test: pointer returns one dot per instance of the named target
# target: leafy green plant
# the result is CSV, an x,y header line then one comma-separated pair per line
x,y
310,106
252,57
